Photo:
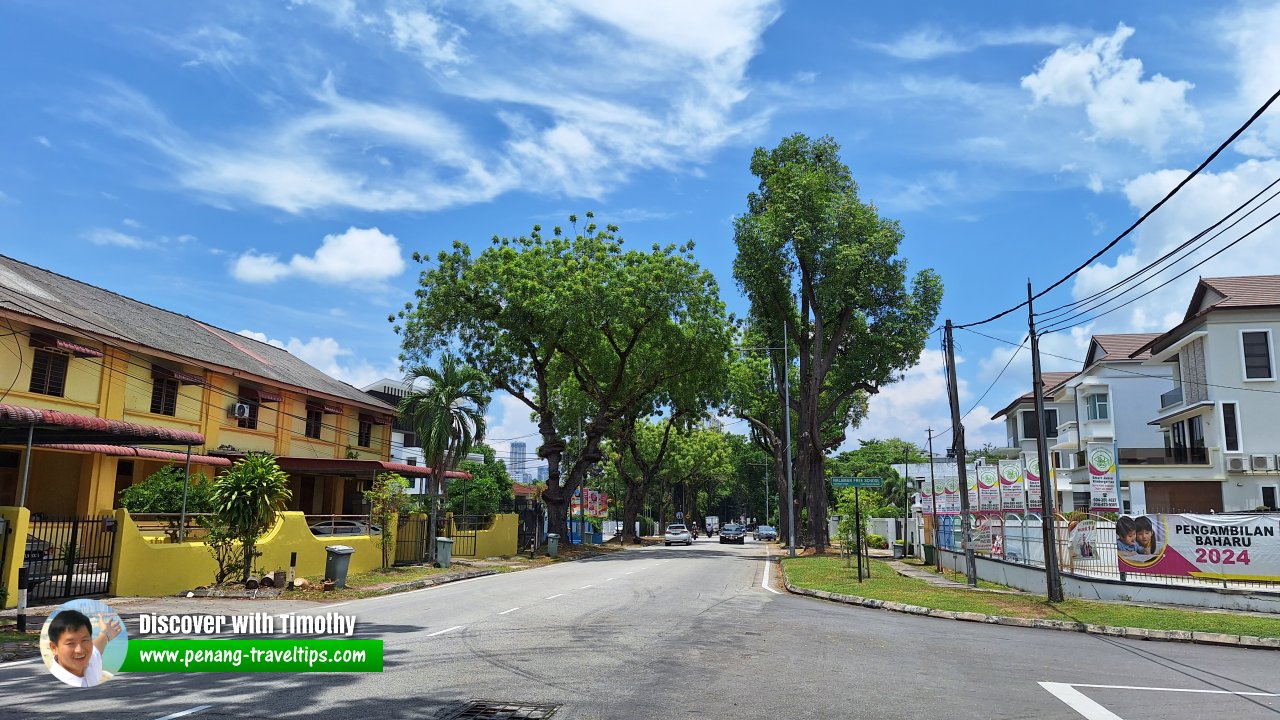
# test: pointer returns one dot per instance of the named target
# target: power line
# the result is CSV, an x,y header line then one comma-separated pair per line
x,y
1212,156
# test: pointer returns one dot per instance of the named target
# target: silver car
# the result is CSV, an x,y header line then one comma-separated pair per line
x,y
677,533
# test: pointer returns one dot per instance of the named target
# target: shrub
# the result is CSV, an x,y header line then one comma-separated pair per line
x,y
876,541
162,492
246,499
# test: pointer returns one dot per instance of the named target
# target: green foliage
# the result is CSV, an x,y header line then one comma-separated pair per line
x,y
448,414
486,491
161,492
387,499
876,541
246,499
226,549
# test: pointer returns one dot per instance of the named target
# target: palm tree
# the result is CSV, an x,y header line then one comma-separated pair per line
x,y
448,417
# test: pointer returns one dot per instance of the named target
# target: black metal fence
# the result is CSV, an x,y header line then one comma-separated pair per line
x,y
69,557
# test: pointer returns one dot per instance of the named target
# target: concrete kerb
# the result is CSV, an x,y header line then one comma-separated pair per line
x,y
432,581
1247,641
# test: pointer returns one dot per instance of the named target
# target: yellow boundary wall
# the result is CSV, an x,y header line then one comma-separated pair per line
x,y
500,539
143,568
13,546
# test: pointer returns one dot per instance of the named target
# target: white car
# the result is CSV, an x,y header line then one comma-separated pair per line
x,y
677,533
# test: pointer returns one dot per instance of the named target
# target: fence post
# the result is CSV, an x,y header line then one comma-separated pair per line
x,y
71,555
22,598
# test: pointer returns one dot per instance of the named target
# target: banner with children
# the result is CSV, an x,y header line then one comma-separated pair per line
x,y
988,482
1011,486
1224,547
1032,462
1103,494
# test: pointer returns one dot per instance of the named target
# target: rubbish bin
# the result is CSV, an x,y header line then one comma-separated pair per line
x,y
444,551
553,545
337,560
929,554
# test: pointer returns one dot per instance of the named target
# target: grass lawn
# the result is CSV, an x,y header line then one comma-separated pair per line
x,y
830,574
10,635
366,584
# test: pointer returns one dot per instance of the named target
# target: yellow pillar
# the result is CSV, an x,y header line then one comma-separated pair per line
x,y
97,491
13,549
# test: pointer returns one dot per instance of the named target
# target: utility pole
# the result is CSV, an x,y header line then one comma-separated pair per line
x,y
1053,581
957,444
786,414
933,499
906,507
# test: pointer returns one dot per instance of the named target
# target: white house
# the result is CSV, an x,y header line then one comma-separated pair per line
x,y
1111,399
1221,411
1022,429
404,445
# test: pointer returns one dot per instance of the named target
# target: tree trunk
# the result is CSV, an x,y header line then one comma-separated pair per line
x,y
817,500
634,498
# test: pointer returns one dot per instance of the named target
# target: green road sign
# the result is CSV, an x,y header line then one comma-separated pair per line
x,y
861,482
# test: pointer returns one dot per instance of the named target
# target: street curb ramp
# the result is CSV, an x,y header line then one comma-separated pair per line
x,y
1202,638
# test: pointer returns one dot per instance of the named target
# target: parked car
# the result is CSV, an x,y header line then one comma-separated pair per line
x,y
344,527
766,532
38,558
733,532
677,533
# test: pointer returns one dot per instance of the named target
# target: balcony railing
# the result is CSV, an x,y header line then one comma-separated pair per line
x,y
1171,398
1164,456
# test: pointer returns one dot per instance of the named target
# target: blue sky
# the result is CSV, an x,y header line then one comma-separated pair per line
x,y
270,166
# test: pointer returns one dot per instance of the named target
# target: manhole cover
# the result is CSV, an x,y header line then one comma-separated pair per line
x,y
496,710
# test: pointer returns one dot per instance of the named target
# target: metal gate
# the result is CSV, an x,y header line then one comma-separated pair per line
x,y
69,557
463,531
411,541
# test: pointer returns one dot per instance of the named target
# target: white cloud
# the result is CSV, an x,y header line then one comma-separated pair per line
x,y
437,42
508,421
1118,102
357,255
927,43
130,222
43,141
327,355
1252,34
107,236
212,45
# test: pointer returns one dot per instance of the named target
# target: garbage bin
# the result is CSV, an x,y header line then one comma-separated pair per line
x,y
553,545
337,560
929,554
444,551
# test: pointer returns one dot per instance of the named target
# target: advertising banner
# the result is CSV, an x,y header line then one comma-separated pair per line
x,y
1032,463
1104,496
950,496
928,498
973,492
988,482
1011,485
1223,547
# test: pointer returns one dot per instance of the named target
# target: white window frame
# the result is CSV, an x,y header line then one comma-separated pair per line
x,y
1271,356
1090,406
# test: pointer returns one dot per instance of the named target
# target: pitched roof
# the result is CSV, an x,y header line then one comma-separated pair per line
x,y
1049,380
1123,347
1225,293
107,316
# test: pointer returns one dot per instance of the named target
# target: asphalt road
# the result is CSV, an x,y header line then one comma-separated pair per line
x,y
690,632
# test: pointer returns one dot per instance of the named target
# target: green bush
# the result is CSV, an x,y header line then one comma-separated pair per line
x,y
161,492
876,541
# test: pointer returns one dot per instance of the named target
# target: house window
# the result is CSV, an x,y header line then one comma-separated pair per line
x,y
411,460
1269,497
1230,427
1031,430
365,435
49,373
315,419
1080,500
1256,346
164,396
1098,407
250,422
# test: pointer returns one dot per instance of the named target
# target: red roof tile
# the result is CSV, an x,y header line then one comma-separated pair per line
x,y
52,422
129,451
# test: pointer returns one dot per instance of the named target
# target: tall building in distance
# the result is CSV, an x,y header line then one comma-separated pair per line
x,y
517,461
543,471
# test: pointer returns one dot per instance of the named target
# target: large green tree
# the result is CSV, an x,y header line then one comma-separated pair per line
x,y
541,311
819,263
445,408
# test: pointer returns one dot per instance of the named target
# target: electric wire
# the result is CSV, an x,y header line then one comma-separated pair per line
x,y
1205,163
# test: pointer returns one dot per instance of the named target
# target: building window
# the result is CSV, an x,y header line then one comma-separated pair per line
x,y
1098,406
1031,430
49,373
1269,497
315,419
164,396
365,437
411,460
250,422
1256,346
1230,427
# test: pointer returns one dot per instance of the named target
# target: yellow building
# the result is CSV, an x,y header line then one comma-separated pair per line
x,y
106,390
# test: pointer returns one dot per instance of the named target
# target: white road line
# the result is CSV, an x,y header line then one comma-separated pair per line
x,y
1079,702
553,597
504,612
441,632
18,662
584,587
184,713
1181,690
628,573
608,579
764,581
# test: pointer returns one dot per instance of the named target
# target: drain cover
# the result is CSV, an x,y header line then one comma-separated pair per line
x,y
496,710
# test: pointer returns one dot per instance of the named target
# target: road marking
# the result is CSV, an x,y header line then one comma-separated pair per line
x,y
504,612
1079,702
584,587
608,579
553,597
19,662
184,713
764,581
628,573
441,632
1182,690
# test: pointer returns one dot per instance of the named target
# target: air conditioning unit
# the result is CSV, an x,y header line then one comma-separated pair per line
x,y
1236,463
1262,462
239,410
